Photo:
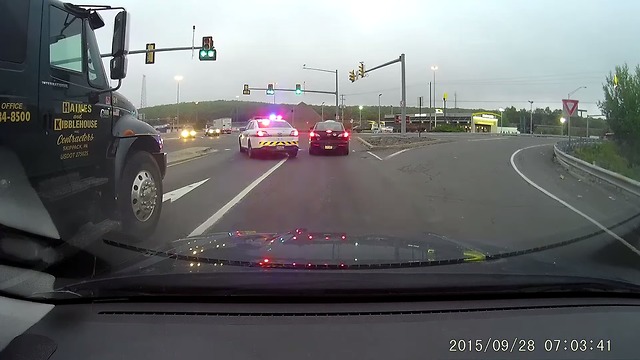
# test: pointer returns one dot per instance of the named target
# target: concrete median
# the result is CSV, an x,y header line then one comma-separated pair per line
x,y
188,154
398,142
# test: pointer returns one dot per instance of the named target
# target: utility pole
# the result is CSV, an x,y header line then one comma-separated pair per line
x,y
455,100
403,127
531,120
379,110
342,114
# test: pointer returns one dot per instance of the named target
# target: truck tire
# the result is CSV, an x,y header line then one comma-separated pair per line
x,y
140,196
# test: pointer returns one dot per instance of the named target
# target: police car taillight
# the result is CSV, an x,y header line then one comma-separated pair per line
x,y
262,133
294,132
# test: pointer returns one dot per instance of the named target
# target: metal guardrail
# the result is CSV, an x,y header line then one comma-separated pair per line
x,y
622,182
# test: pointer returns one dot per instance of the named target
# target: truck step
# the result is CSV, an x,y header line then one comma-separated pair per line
x,y
57,190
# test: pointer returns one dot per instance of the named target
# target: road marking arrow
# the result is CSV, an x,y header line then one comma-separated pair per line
x,y
178,193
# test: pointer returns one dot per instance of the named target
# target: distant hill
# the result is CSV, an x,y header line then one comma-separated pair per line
x,y
241,111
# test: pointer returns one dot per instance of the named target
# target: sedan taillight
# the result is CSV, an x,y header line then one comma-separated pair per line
x,y
312,134
344,134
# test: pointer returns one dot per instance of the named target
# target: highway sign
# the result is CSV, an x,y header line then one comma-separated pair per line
x,y
570,106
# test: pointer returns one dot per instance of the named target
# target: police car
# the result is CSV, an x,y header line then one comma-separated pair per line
x,y
268,135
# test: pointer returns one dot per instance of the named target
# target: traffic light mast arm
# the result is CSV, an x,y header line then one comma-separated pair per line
x,y
383,65
134,52
294,90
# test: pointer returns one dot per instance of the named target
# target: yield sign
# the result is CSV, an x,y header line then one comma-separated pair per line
x,y
570,106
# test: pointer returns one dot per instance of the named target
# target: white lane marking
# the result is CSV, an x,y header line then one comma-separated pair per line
x,y
374,155
220,213
493,138
178,193
227,149
567,205
396,153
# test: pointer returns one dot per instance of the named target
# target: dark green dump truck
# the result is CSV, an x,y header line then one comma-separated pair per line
x,y
72,151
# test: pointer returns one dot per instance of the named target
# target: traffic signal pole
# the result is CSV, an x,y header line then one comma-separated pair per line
x,y
401,60
305,67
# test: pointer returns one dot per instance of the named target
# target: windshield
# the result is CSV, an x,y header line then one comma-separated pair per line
x,y
467,138
329,126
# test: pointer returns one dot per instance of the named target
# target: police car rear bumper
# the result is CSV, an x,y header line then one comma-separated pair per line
x,y
277,148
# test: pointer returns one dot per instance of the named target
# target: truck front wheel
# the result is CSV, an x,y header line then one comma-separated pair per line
x,y
140,196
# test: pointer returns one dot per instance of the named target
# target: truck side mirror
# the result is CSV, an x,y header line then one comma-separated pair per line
x,y
120,41
118,67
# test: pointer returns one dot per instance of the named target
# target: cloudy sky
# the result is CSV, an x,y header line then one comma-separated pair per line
x,y
489,53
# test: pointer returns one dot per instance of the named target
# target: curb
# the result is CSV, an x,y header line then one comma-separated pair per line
x,y
404,146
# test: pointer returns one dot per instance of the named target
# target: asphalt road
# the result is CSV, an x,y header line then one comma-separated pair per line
x,y
503,192
173,143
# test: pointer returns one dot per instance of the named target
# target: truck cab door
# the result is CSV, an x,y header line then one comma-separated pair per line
x,y
78,132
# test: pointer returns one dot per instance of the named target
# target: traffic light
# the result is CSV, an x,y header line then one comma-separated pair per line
x,y
270,90
208,52
298,89
150,55
352,75
245,90
361,70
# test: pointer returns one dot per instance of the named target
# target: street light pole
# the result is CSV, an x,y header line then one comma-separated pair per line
x,y
501,113
196,112
322,110
562,120
435,96
178,78
531,120
379,110
360,107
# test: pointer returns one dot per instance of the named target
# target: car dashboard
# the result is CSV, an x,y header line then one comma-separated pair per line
x,y
565,328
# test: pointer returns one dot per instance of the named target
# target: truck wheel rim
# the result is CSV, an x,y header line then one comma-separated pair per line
x,y
144,194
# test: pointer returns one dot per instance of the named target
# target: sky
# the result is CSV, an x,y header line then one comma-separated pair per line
x,y
489,53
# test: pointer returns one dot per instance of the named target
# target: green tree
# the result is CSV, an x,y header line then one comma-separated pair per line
x,y
621,106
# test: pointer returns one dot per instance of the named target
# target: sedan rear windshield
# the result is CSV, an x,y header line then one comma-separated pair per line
x,y
323,126
266,124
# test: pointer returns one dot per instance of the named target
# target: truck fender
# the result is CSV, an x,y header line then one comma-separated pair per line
x,y
127,126
134,135
20,205
129,145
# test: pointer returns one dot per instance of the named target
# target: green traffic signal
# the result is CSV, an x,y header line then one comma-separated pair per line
x,y
208,54
298,89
